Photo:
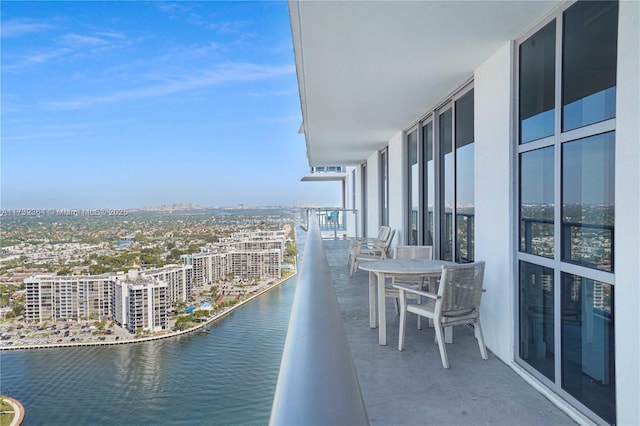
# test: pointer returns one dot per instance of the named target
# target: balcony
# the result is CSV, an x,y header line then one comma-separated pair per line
x,y
411,387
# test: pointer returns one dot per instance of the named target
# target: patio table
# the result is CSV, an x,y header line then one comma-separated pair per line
x,y
381,270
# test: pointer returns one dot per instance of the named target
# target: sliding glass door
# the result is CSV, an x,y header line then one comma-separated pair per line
x,y
441,170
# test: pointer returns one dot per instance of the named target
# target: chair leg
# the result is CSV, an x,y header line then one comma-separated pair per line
x,y
397,304
403,323
441,344
478,333
420,303
354,265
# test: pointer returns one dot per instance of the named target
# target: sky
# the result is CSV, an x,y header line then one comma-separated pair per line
x,y
132,104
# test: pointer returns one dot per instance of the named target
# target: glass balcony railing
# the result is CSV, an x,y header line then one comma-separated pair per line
x,y
328,169
333,222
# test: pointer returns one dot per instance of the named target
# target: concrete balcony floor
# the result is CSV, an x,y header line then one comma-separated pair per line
x,y
411,387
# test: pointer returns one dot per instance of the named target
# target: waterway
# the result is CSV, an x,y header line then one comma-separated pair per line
x,y
226,376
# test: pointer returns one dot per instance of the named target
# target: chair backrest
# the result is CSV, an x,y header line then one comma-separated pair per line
x,y
413,252
387,243
460,290
383,233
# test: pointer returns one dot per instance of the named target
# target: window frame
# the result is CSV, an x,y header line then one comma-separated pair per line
x,y
432,116
559,266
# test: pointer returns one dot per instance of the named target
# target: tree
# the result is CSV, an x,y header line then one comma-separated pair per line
x,y
65,270
18,309
97,269
291,250
140,238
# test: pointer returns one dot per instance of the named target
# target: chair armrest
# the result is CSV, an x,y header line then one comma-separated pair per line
x,y
362,239
414,291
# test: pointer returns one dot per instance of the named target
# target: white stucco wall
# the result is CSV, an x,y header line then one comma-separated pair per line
x,y
627,226
397,190
494,198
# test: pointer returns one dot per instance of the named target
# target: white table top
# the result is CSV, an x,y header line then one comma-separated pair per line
x,y
404,266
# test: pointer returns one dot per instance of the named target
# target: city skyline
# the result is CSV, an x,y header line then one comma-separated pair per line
x,y
134,104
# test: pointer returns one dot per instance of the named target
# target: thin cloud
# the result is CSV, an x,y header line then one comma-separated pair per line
x,y
38,58
221,75
18,27
78,41
59,133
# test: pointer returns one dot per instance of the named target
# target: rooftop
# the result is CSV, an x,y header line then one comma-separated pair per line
x,y
411,387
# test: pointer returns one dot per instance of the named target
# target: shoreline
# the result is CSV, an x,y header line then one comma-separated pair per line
x,y
151,338
18,410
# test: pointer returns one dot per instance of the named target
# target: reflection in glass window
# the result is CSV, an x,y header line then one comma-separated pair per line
x,y
588,201
429,182
537,318
384,188
589,63
446,155
363,195
413,186
537,81
465,206
537,202
588,361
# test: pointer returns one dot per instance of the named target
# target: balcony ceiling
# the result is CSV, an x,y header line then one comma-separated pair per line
x,y
367,69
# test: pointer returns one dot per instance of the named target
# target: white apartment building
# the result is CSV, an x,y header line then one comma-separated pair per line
x,y
256,264
75,297
61,298
209,267
141,303
177,277
506,132
245,255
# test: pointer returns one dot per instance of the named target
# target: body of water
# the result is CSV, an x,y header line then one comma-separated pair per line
x,y
224,377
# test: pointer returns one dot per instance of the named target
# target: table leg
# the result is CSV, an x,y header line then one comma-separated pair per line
x,y
382,312
448,334
372,300
433,288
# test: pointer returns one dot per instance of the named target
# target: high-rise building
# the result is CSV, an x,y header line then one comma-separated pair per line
x,y
54,298
140,303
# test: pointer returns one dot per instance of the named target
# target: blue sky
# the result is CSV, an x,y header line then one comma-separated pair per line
x,y
131,104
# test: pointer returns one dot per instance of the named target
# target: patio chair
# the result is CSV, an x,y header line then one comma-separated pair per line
x,y
457,302
408,252
356,243
375,251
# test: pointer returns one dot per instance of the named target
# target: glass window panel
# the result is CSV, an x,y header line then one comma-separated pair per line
x,y
384,189
588,361
589,63
588,201
465,210
429,182
413,186
537,318
446,155
537,84
537,202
